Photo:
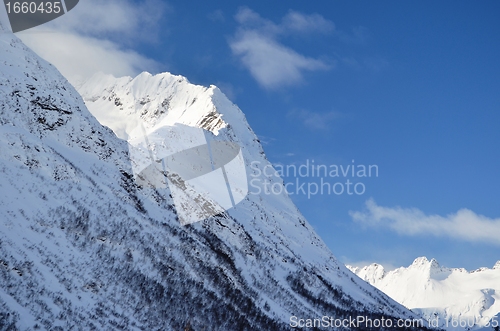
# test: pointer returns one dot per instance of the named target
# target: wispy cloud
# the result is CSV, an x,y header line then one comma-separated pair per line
x,y
216,16
269,61
292,22
315,120
464,224
88,39
78,57
297,22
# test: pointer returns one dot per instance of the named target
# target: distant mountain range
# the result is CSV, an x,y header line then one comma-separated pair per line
x,y
453,298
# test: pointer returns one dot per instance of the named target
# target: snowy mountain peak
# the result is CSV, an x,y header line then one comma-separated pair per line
x,y
370,273
497,265
452,294
420,261
155,100
431,268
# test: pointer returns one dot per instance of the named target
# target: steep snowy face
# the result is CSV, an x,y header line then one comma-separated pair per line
x,y
134,108
64,183
160,103
165,101
56,110
84,246
458,299
173,132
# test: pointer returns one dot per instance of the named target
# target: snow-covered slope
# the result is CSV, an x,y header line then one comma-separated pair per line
x,y
452,296
84,247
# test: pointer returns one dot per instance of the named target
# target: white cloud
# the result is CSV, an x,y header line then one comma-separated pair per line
x,y
296,21
94,36
464,224
315,120
292,22
78,57
270,62
250,20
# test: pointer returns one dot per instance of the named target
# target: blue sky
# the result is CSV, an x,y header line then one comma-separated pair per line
x,y
410,86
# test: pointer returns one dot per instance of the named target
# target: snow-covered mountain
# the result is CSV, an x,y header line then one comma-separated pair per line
x,y
456,298
84,246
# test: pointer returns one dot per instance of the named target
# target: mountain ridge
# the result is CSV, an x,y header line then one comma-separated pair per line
x,y
451,295
83,246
